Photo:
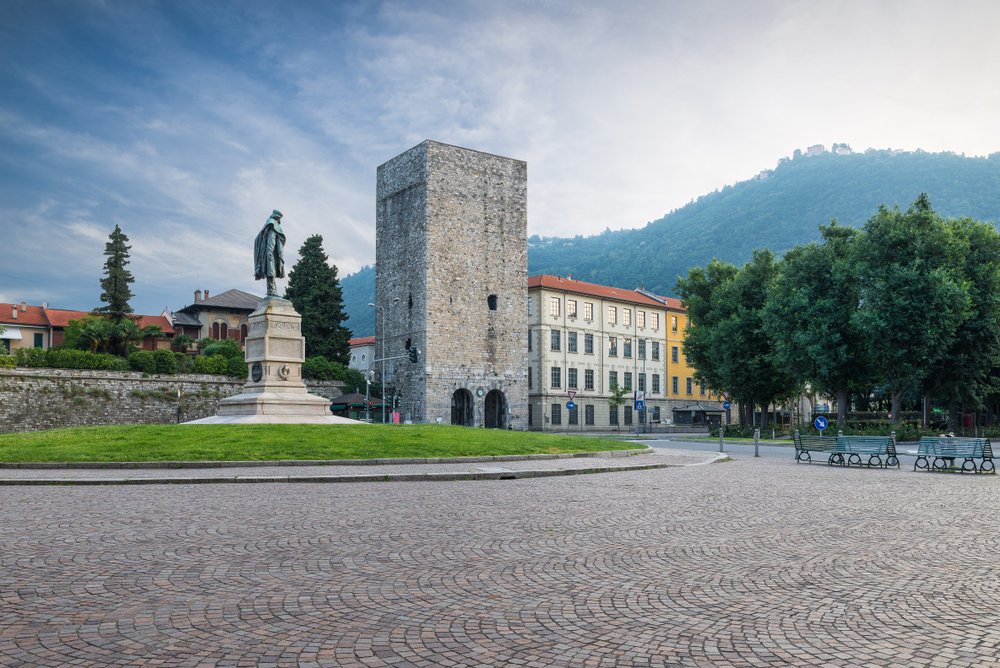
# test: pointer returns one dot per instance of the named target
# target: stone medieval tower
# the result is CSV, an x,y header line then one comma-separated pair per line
x,y
452,280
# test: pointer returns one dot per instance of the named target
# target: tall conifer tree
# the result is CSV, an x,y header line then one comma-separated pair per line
x,y
115,290
314,290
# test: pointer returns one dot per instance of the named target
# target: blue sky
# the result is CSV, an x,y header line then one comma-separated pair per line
x,y
186,122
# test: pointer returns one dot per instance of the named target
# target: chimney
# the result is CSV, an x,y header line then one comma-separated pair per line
x,y
24,307
197,296
13,311
206,294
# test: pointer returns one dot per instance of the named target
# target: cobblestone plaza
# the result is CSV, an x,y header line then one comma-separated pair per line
x,y
746,563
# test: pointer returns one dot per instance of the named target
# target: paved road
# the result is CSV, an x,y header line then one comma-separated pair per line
x,y
756,562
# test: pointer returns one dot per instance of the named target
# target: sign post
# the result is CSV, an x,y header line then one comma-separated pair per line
x,y
820,423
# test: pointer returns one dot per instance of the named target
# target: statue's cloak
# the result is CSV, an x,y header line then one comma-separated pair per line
x,y
269,251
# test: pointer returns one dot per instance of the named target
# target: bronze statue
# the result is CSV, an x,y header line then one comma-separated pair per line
x,y
269,253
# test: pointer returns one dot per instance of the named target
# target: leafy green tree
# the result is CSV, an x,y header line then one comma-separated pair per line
x,y
115,290
315,293
727,306
912,294
807,317
617,398
966,373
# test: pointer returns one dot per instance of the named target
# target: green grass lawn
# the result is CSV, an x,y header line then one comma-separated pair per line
x,y
160,443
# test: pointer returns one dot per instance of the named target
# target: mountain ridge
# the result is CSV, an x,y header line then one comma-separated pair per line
x,y
776,209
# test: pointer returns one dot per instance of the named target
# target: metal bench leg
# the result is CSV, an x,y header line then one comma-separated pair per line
x,y
803,456
968,462
836,458
925,466
876,459
854,458
891,460
987,466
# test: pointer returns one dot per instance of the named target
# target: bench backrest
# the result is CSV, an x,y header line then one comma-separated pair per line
x,y
949,446
881,445
814,443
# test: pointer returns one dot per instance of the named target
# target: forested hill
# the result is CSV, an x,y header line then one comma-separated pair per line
x,y
780,209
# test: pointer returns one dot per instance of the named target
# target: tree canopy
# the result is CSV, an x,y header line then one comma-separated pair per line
x,y
115,290
314,290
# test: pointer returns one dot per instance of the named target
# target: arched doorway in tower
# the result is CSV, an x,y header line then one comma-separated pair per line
x,y
495,410
461,408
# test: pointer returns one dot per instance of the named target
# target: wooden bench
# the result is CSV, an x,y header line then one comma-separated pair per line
x,y
806,444
946,449
874,447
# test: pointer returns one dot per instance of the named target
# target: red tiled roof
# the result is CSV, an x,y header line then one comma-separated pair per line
x,y
30,316
60,317
362,341
581,287
674,303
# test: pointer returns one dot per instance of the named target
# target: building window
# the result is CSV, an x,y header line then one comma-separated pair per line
x,y
628,415
642,382
627,347
613,416
690,386
588,379
673,323
39,339
529,340
574,416
588,311
571,308
655,416
571,342
674,353
675,384
244,331
556,339
627,317
220,331
571,379
613,346
628,380
556,377
656,351
529,306
612,315
656,383
701,390
640,318
588,415
642,348
554,306
588,344
530,415
654,319
612,380
556,414
529,377
491,302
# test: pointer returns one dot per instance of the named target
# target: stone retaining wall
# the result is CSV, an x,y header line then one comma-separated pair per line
x,y
33,399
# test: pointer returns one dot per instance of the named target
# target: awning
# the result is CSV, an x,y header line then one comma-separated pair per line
x,y
12,333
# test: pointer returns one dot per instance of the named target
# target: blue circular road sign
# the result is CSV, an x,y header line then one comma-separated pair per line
x,y
726,405
820,422
570,405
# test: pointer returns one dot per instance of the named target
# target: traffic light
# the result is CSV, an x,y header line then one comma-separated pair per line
x,y
414,354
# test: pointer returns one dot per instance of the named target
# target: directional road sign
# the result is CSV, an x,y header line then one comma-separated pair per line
x,y
820,422
570,405
726,405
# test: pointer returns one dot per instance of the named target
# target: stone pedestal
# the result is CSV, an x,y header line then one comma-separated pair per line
x,y
274,392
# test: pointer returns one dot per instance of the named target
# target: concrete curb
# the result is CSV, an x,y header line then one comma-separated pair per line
x,y
382,477
318,462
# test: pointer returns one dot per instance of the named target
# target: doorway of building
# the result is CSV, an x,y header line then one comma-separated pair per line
x,y
495,410
461,408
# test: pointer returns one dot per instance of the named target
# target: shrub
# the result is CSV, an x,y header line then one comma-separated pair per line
x,y
320,368
8,361
67,358
31,357
227,348
237,367
211,364
165,361
184,363
143,361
